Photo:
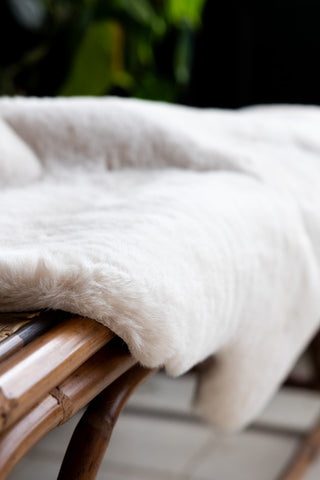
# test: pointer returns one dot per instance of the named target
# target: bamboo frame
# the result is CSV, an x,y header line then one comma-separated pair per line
x,y
93,432
17,333
65,353
307,452
62,403
28,375
11,322
84,359
309,447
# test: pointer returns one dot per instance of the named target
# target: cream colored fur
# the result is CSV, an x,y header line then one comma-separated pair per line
x,y
188,232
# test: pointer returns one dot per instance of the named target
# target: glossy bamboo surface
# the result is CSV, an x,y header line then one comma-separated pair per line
x,y
62,403
28,375
18,331
11,322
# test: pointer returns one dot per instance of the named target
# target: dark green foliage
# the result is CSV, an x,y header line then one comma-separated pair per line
x,y
139,48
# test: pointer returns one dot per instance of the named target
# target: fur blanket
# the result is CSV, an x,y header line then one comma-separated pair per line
x,y
187,232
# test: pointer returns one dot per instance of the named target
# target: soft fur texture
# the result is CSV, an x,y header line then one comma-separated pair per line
x,y
188,232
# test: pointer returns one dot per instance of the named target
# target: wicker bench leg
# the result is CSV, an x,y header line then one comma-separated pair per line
x,y
306,454
92,434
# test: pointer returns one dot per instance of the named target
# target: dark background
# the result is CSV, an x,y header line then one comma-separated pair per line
x,y
197,52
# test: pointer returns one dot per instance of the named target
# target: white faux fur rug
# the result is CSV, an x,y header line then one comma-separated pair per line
x,y
188,232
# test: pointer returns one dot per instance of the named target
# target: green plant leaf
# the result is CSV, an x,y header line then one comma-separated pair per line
x,y
155,87
141,12
92,72
188,11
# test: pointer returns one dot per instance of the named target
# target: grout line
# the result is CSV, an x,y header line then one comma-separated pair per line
x,y
157,413
272,429
147,472
108,467
262,427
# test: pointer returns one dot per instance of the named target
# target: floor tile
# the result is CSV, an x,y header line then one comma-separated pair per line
x,y
156,444
115,471
250,455
33,467
164,393
292,408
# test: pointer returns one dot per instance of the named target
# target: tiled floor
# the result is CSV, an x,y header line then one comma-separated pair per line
x,y
157,438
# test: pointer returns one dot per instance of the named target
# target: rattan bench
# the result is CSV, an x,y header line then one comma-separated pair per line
x,y
52,365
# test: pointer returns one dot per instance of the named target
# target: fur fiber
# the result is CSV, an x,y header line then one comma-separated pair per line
x,y
187,232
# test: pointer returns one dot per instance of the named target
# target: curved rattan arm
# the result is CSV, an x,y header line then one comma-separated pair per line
x,y
92,434
62,403
29,374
